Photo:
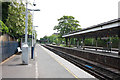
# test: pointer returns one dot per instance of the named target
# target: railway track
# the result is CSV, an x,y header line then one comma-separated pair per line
x,y
92,68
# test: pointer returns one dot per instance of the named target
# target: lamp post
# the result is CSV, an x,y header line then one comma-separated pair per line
x,y
32,48
25,59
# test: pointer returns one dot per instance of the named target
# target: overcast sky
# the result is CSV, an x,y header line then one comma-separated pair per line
x,y
87,12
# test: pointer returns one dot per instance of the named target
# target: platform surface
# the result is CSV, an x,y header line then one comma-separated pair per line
x,y
45,64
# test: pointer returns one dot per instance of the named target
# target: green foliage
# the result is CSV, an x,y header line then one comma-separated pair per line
x,y
3,27
16,20
102,42
67,24
53,39
115,41
5,10
62,45
88,42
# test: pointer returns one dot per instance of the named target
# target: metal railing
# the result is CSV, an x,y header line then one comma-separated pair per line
x,y
7,49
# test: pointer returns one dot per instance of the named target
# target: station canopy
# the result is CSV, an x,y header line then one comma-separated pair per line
x,y
106,29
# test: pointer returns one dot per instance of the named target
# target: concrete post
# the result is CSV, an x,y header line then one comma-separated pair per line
x,y
25,46
25,54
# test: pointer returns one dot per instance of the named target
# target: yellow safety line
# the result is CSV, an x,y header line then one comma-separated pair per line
x,y
64,67
8,59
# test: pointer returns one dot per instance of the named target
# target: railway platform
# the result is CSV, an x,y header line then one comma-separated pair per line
x,y
45,64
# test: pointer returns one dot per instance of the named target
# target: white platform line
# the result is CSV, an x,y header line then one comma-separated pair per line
x,y
36,70
36,67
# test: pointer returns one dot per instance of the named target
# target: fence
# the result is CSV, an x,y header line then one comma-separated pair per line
x,y
7,49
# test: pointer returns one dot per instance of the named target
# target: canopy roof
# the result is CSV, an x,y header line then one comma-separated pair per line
x,y
106,29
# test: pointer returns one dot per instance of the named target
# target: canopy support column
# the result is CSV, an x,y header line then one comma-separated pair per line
x,y
66,39
119,41
96,43
83,45
69,42
78,42
119,46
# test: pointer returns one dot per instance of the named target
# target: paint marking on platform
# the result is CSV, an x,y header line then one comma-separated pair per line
x,y
8,59
36,70
36,66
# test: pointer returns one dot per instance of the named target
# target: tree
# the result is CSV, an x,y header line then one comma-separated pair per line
x,y
53,39
44,39
67,24
16,19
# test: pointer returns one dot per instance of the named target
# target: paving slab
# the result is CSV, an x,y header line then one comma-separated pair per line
x,y
15,69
